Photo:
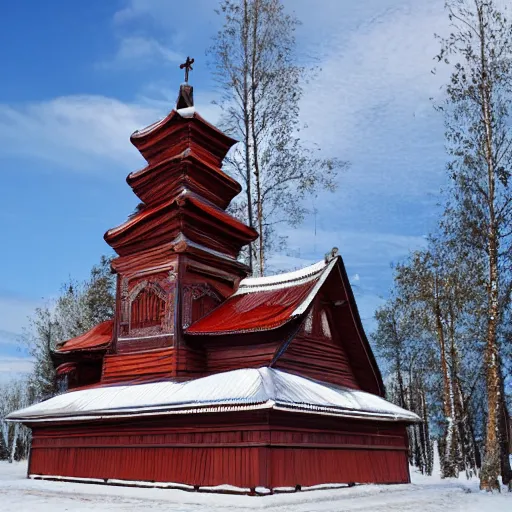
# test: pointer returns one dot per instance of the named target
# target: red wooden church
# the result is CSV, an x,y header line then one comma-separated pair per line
x,y
206,376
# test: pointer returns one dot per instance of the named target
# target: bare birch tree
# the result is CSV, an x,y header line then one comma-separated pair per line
x,y
477,118
256,69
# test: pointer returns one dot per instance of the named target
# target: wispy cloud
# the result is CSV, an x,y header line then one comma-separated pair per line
x,y
88,133
14,317
14,367
79,132
137,52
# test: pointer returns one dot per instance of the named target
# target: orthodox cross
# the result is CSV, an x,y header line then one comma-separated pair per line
x,y
188,67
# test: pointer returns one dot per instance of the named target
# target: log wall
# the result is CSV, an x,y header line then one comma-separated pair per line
x,y
139,367
246,450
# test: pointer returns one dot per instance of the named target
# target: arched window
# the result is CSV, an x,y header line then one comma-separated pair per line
x,y
147,309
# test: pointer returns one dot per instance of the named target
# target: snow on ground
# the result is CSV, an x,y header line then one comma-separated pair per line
x,y
425,494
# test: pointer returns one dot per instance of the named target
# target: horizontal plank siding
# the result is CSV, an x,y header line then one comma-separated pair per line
x,y
245,450
321,358
141,366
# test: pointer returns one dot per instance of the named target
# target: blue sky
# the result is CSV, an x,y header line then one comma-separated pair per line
x,y
79,77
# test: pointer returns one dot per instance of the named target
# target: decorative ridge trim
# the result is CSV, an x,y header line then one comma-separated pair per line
x,y
285,276
224,407
314,292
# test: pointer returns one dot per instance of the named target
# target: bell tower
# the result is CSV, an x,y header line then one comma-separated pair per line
x,y
177,254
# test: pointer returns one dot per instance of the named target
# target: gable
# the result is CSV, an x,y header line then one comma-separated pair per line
x,y
345,357
317,350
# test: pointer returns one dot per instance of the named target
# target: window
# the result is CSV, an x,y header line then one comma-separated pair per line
x,y
147,309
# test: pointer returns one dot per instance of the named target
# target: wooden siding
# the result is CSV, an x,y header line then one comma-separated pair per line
x,y
321,359
141,366
223,359
318,350
242,449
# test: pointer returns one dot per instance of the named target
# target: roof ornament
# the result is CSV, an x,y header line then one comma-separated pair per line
x,y
186,96
188,67
333,253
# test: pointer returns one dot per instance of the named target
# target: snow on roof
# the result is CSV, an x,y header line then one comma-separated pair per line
x,y
263,388
279,281
153,126
186,112
265,303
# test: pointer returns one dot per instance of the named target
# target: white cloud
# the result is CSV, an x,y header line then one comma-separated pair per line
x,y
360,247
14,316
79,132
378,73
88,133
13,367
138,51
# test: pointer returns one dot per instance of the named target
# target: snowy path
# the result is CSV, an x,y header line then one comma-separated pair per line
x,y
426,494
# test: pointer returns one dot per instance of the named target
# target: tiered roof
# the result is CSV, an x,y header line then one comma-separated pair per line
x,y
183,189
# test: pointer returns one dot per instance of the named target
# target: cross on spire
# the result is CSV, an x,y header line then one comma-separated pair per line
x,y
188,67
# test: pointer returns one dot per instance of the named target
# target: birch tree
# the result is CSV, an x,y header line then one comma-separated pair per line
x,y
15,438
479,140
262,84
399,342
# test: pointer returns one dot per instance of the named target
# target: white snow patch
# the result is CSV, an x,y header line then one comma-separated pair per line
x,y
280,279
425,494
186,112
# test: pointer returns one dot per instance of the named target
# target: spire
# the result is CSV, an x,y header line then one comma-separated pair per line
x,y
186,96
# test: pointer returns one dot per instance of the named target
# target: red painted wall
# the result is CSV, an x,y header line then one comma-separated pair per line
x,y
247,449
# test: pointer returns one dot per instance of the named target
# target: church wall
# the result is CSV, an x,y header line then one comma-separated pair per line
x,y
244,449
318,350
225,358
142,366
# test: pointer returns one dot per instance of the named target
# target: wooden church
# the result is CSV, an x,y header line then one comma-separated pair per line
x,y
207,377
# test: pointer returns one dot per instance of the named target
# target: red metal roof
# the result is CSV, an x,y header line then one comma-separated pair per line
x,y
264,303
98,337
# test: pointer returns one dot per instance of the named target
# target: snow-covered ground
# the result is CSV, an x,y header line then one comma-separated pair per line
x,y
425,494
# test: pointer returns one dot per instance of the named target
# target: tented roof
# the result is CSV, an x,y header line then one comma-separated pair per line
x,y
263,388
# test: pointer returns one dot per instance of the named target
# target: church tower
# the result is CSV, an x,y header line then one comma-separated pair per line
x,y
177,254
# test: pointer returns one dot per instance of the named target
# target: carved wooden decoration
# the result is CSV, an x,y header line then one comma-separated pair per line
x,y
146,310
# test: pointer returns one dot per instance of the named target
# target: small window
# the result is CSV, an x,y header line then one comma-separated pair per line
x,y
147,310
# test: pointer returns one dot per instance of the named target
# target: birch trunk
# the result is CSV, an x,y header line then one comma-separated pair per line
x,y
491,466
